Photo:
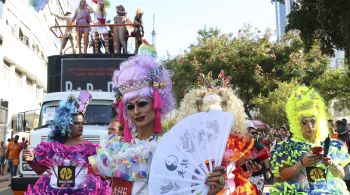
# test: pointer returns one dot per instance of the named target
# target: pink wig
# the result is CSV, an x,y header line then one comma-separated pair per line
x,y
141,68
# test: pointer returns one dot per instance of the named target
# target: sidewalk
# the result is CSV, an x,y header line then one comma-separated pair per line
x,y
5,177
5,180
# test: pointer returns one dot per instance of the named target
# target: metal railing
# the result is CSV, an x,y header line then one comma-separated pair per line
x,y
113,27
84,26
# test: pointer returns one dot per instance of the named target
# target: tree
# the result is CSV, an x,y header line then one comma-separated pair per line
x,y
334,85
327,21
272,107
255,63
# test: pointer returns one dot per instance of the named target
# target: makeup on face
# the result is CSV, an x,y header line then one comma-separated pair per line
x,y
306,120
78,123
139,104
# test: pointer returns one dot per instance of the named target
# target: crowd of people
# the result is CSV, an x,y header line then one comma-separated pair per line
x,y
105,38
9,154
307,155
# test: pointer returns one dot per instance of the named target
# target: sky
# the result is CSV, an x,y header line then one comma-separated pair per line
x,y
177,21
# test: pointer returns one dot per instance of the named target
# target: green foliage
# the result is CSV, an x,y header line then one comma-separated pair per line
x,y
272,107
256,64
334,85
325,20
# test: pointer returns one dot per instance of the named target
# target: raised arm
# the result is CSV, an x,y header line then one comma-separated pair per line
x,y
89,9
61,17
75,15
36,166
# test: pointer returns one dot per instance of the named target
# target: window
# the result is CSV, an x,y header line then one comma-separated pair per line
x,y
18,80
3,115
6,72
29,87
5,76
37,93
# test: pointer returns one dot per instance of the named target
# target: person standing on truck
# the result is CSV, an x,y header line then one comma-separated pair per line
x,y
13,150
100,17
67,32
65,155
143,88
82,17
138,29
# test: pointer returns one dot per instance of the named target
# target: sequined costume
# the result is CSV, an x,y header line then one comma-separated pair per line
x,y
54,154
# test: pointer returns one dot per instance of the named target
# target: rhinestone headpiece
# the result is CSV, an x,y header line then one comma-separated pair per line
x,y
133,85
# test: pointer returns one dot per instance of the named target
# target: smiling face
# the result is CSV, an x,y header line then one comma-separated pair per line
x,y
308,126
77,126
141,112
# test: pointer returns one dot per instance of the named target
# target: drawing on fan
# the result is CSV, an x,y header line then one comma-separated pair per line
x,y
169,186
184,163
181,173
187,142
212,129
201,138
171,163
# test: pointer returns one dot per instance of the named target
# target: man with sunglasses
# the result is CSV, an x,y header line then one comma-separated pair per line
x,y
308,163
258,177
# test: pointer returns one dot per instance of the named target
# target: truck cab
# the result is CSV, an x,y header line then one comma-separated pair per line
x,y
97,116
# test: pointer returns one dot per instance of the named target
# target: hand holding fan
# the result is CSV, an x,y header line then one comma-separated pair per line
x,y
189,152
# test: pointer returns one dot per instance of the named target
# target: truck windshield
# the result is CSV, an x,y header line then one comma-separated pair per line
x,y
98,113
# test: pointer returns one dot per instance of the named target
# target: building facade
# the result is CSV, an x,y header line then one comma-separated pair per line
x,y
25,42
282,10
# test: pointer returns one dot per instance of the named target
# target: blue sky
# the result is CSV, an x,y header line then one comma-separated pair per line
x,y
177,21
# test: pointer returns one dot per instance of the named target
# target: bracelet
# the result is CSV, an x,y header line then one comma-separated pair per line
x,y
301,163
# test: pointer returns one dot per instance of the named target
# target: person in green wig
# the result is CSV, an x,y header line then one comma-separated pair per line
x,y
309,163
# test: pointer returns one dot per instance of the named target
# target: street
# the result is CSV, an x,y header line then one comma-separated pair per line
x,y
5,189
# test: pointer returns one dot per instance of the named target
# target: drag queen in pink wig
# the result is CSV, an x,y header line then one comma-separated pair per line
x,y
144,98
144,88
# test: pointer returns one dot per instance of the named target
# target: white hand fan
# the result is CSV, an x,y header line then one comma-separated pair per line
x,y
188,152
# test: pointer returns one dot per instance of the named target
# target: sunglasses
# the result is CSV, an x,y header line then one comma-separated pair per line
x,y
312,120
78,123
140,104
253,132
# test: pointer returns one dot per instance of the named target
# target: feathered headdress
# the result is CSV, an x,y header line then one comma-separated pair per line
x,y
61,125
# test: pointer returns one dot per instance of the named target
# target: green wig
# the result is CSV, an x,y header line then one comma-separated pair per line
x,y
306,102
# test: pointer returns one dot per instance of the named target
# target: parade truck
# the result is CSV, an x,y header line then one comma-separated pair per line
x,y
68,74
